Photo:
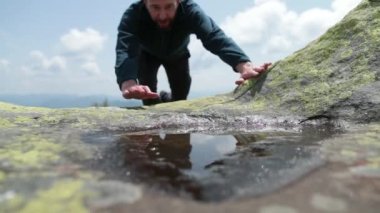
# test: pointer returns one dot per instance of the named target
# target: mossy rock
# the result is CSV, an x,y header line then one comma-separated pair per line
x,y
323,79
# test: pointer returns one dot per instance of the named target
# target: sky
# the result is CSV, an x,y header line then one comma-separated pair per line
x,y
68,47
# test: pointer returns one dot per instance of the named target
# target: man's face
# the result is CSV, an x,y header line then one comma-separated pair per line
x,y
162,11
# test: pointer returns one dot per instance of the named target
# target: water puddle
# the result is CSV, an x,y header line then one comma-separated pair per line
x,y
208,167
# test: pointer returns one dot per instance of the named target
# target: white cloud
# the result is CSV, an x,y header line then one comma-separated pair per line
x,y
251,25
270,26
84,45
277,43
4,64
214,79
91,68
341,7
86,42
200,57
42,63
311,24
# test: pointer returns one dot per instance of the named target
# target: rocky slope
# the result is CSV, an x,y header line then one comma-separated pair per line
x,y
336,76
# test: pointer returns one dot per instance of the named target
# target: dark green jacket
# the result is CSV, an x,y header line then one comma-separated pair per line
x,y
137,32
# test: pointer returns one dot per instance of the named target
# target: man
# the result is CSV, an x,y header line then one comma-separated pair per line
x,y
156,32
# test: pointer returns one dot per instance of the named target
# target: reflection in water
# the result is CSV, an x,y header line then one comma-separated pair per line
x,y
209,167
192,153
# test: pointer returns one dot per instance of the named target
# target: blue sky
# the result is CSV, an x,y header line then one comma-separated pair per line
x,y
67,47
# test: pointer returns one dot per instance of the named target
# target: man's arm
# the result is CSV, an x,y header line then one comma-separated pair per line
x,y
127,49
214,39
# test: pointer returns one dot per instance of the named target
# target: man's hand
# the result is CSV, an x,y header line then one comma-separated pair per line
x,y
247,71
130,89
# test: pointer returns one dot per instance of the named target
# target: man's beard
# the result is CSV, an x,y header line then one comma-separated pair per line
x,y
166,24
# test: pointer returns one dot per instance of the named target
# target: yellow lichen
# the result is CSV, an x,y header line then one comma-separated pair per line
x,y
4,123
23,120
2,176
192,105
348,153
21,109
30,151
63,196
12,203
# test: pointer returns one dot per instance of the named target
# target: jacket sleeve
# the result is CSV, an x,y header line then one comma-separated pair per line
x,y
214,39
127,48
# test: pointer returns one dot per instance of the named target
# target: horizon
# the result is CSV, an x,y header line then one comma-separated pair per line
x,y
72,100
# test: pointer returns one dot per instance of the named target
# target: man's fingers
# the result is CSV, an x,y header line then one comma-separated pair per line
x,y
133,93
136,92
259,69
267,65
252,73
148,94
239,81
262,68
249,75
146,89
140,92
126,94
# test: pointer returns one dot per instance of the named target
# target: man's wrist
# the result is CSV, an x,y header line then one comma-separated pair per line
x,y
128,83
242,66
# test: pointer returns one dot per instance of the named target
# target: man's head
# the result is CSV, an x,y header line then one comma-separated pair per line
x,y
162,11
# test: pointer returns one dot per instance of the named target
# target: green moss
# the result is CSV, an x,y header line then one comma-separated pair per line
x,y
23,120
12,204
89,175
259,105
375,161
30,151
375,34
63,196
4,123
21,109
7,107
346,54
361,143
2,176
314,95
82,123
192,105
51,119
348,153
85,118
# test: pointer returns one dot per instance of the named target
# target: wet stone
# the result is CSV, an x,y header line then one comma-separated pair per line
x,y
7,196
277,209
328,203
112,193
208,167
370,171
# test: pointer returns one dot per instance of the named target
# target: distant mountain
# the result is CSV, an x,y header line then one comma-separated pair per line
x,y
71,101
67,101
